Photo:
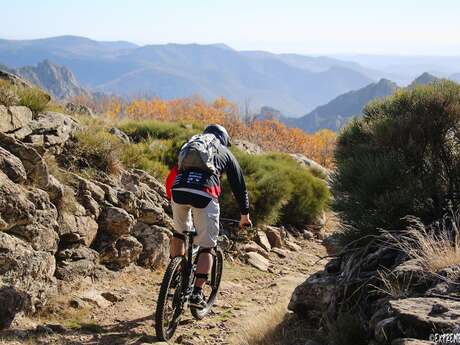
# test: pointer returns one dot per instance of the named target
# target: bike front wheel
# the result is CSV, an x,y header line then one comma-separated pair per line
x,y
170,303
211,287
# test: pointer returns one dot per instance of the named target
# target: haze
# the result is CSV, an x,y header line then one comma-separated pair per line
x,y
410,27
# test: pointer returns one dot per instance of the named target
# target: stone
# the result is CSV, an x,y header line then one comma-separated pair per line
x,y
26,277
262,240
122,253
254,247
112,297
116,221
120,135
56,128
416,318
35,166
55,190
12,167
110,194
274,237
387,329
5,119
280,252
258,261
151,214
311,164
155,244
20,117
76,227
15,207
312,297
95,298
292,246
41,233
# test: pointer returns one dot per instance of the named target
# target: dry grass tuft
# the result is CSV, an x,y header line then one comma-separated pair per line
x,y
432,247
274,327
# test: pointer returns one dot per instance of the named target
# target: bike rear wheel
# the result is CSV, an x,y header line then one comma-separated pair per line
x,y
170,303
211,287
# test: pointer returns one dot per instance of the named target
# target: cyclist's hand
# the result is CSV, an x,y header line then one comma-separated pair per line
x,y
245,221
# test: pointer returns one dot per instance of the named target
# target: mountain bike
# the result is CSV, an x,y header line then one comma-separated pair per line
x,y
178,283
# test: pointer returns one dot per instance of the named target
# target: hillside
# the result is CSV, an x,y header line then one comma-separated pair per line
x,y
424,79
57,80
293,84
337,112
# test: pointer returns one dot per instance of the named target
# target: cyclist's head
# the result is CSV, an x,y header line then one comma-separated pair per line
x,y
220,132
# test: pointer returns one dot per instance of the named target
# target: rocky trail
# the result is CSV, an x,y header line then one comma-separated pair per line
x,y
119,308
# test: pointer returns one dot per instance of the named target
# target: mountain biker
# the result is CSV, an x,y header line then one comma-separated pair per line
x,y
195,192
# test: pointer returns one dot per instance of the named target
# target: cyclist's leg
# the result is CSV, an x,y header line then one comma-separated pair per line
x,y
182,218
207,226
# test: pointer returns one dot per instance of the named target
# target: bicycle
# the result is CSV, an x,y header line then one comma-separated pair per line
x,y
177,287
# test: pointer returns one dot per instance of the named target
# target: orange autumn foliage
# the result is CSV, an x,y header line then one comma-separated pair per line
x,y
270,135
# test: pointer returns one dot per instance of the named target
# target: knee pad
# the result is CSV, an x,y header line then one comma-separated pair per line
x,y
211,251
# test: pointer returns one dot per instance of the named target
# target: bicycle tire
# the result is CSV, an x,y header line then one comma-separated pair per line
x,y
216,277
177,265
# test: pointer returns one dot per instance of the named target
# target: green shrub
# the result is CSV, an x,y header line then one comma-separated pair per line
x,y
33,98
8,94
152,129
402,158
280,191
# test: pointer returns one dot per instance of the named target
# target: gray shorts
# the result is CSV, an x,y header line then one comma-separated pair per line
x,y
206,222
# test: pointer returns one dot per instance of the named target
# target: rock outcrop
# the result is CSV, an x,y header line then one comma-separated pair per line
x,y
66,227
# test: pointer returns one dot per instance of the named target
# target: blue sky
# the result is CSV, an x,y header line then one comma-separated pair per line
x,y
423,27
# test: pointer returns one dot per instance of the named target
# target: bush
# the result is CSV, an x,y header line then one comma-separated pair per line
x,y
148,129
280,191
8,94
33,98
402,158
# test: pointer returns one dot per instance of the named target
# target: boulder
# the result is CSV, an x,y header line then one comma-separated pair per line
x,y
280,252
274,236
26,277
41,233
116,222
292,246
310,164
254,247
122,253
15,207
77,227
14,79
55,190
262,240
77,262
56,128
12,167
419,316
20,118
35,166
258,261
312,298
247,146
155,244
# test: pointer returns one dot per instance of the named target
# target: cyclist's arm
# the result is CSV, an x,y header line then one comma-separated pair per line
x,y
237,183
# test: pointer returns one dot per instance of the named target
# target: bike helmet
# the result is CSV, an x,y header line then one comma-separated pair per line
x,y
220,132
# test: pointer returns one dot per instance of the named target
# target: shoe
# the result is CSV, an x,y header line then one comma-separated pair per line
x,y
197,301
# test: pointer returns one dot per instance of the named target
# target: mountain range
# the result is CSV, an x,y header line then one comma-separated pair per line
x,y
292,83
336,113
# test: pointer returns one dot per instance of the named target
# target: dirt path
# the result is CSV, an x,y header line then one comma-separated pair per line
x,y
89,319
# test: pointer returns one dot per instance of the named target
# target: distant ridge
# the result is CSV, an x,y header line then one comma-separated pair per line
x,y
294,84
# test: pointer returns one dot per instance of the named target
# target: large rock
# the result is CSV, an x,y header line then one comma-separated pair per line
x,y
258,261
116,222
15,207
12,167
35,166
262,240
26,277
419,316
155,243
252,246
41,233
274,236
312,298
310,164
78,109
77,262
122,253
55,128
75,226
